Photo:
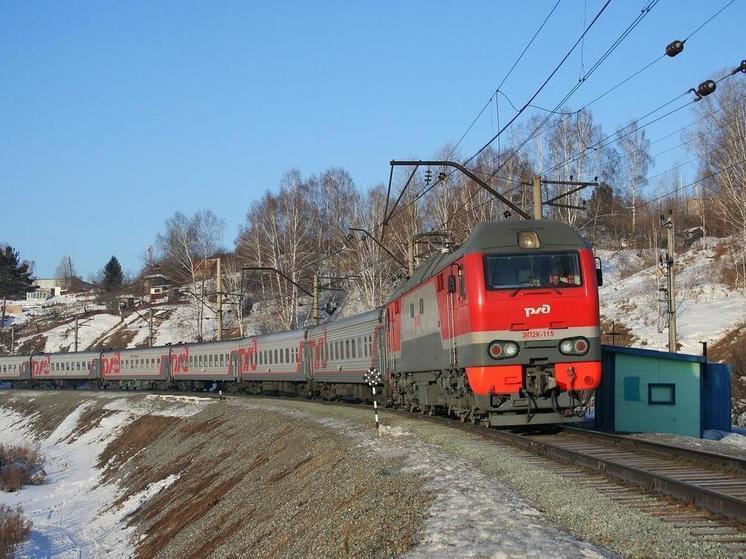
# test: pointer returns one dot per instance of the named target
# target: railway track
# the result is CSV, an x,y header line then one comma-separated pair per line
x,y
702,492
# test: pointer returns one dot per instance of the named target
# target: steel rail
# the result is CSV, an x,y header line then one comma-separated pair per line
x,y
665,450
713,501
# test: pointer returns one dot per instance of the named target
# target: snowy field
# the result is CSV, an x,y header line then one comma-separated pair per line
x,y
71,513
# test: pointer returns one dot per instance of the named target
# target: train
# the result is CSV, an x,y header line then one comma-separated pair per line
x,y
502,330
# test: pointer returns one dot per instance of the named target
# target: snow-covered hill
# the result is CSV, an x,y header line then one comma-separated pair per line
x,y
706,308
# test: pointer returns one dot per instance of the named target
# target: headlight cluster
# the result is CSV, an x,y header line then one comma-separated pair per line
x,y
502,350
574,346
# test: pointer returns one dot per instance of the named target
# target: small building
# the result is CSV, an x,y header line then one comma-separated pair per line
x,y
156,284
647,391
45,289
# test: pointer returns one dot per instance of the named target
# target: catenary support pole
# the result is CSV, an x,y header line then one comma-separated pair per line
x,y
219,288
150,326
672,345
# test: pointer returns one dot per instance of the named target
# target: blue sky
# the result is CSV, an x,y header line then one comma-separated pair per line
x,y
113,115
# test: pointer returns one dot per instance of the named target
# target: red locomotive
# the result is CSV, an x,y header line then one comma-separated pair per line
x,y
503,330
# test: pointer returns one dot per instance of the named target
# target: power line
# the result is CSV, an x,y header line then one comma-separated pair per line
x,y
646,10
521,110
510,71
633,126
545,82
536,132
702,179
708,20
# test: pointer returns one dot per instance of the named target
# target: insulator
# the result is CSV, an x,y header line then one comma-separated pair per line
x,y
706,87
428,175
741,68
674,48
441,176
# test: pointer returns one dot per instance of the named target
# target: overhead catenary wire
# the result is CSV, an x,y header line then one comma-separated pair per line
x,y
507,75
633,127
688,185
520,111
645,10
546,81
604,94
615,138
537,131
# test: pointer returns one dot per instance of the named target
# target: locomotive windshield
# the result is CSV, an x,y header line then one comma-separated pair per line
x,y
532,270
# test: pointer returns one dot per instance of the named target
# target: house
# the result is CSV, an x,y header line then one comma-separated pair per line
x,y
46,288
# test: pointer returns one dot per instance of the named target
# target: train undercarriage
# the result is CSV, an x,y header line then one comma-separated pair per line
x,y
434,393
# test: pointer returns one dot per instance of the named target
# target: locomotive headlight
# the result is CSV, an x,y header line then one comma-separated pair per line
x,y
528,239
510,349
566,347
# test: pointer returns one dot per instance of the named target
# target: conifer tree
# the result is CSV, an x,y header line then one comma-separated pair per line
x,y
113,276
15,277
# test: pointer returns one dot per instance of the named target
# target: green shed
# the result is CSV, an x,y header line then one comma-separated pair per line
x,y
647,391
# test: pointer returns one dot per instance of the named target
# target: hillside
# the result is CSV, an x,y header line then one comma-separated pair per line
x,y
707,308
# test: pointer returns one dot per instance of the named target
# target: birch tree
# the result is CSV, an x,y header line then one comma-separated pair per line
x,y
185,246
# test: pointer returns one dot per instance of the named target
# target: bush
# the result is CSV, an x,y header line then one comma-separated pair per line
x,y
14,530
20,466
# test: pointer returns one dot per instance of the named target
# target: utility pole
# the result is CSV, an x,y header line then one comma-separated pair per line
x,y
218,286
537,197
78,324
150,325
671,283
315,304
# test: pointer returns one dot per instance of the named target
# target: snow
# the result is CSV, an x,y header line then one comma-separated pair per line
x,y
89,330
70,512
734,439
706,309
472,514
180,326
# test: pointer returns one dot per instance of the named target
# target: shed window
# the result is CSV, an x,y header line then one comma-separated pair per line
x,y
661,394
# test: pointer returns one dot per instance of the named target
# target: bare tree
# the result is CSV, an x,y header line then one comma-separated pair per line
x,y
635,149
66,272
185,247
720,141
282,232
